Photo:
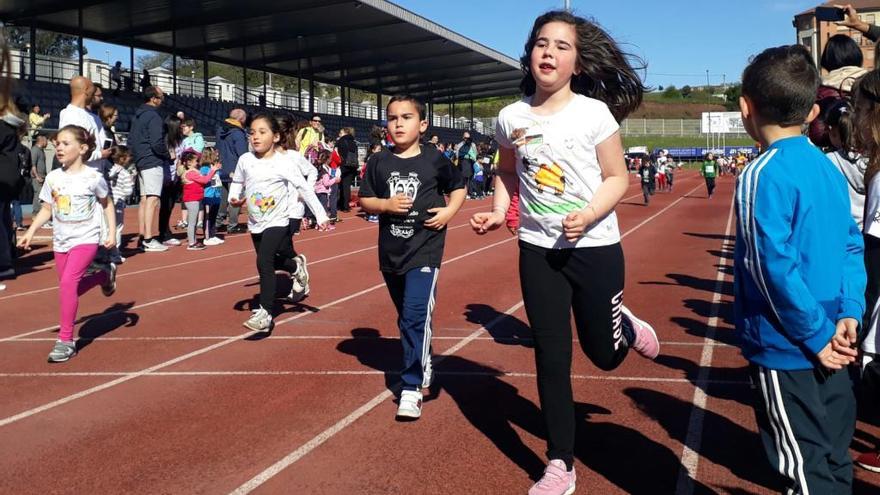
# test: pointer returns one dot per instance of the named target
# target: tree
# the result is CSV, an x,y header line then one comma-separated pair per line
x,y
732,95
47,43
659,88
671,92
686,91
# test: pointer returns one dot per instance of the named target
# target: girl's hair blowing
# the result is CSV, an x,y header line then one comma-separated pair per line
x,y
605,71
866,98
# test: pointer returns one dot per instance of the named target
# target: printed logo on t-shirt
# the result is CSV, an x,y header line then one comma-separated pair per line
x,y
262,204
407,185
70,207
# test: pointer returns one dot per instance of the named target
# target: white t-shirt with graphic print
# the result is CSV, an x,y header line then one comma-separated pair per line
x,y
558,168
76,213
266,184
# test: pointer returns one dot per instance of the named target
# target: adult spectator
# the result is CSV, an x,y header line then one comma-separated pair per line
x,y
310,135
147,143
38,168
10,185
116,77
82,95
146,81
24,169
842,58
232,142
435,141
36,120
466,152
348,153
171,181
192,140
109,115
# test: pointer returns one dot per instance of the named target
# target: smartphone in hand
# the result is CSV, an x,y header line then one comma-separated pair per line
x,y
830,14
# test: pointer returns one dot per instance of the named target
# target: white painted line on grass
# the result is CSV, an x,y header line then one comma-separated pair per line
x,y
690,457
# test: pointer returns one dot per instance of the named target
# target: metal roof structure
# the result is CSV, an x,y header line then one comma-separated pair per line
x,y
372,45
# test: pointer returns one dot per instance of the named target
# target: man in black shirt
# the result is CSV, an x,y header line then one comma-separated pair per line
x,y
406,188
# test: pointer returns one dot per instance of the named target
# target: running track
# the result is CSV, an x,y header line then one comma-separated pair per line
x,y
170,395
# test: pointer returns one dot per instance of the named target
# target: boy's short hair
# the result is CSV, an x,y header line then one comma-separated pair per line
x,y
781,83
420,107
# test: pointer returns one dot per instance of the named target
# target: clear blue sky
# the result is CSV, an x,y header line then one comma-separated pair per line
x,y
680,39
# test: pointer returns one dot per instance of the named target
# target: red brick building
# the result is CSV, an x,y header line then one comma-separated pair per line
x,y
814,35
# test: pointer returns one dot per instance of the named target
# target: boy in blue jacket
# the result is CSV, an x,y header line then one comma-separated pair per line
x,y
799,279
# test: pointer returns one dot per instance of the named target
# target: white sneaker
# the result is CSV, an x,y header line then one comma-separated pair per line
x,y
212,241
302,273
154,246
260,320
410,405
428,374
171,242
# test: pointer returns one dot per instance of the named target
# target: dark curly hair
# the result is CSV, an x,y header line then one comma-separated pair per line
x,y
605,71
81,136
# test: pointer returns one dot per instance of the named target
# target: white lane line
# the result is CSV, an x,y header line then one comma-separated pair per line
x,y
322,437
327,434
192,293
209,258
690,457
245,373
328,337
179,296
204,350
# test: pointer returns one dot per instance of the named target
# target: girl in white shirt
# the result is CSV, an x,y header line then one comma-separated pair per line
x,y
263,180
71,196
561,144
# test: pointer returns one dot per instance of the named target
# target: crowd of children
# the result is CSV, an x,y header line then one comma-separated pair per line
x,y
806,280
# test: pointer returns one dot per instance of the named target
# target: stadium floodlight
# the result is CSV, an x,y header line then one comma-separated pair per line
x,y
568,5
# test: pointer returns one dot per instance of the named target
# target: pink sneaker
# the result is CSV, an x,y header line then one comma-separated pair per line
x,y
556,480
646,342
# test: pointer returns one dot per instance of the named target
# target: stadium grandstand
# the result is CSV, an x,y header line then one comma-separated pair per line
x,y
373,46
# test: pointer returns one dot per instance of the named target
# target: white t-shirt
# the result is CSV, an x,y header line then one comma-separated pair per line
x,y
872,208
558,168
76,213
308,171
74,115
266,184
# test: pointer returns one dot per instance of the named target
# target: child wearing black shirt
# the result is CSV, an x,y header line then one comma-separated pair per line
x,y
406,187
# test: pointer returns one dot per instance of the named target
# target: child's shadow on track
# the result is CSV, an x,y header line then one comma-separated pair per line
x,y
498,411
510,330
747,461
113,318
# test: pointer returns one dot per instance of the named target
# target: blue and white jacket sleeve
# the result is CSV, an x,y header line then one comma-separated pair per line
x,y
852,290
771,261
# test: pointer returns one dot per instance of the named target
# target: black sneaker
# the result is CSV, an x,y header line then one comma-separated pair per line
x,y
199,246
109,287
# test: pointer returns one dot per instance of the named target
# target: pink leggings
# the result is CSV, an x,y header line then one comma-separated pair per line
x,y
71,267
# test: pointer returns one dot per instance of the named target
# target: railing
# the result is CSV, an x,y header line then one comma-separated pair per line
x,y
665,127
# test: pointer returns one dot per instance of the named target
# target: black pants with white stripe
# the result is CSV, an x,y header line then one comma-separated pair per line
x,y
556,283
807,419
413,294
274,252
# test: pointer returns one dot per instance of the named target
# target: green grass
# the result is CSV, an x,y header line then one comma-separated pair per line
x,y
679,141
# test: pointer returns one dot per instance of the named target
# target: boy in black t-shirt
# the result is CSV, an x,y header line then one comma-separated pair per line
x,y
406,188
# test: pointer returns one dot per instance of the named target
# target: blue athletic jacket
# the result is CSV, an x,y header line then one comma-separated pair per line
x,y
798,262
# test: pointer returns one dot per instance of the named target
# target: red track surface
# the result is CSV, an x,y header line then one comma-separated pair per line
x,y
167,396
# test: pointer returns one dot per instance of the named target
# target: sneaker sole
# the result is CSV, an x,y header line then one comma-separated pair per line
x,y
50,360
262,330
112,290
408,414
873,469
632,317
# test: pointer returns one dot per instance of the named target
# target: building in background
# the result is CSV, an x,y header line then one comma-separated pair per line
x,y
815,34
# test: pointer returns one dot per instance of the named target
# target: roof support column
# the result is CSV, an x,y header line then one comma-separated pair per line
x,y
311,95
173,60
244,72
342,100
79,38
472,126
265,89
131,65
32,54
379,106
205,76
452,113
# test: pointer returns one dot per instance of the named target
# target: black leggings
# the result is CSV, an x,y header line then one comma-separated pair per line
x,y
710,185
274,252
170,194
555,282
